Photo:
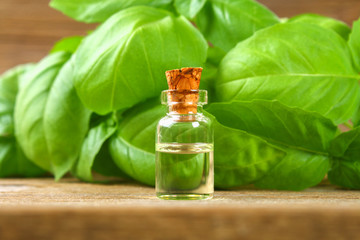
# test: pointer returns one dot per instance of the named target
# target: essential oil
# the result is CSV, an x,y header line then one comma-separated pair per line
x,y
184,140
185,170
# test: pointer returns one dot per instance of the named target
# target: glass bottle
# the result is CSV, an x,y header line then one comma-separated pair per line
x,y
184,148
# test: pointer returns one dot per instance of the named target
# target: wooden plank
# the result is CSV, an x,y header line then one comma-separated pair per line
x,y
47,192
40,208
345,10
166,223
29,28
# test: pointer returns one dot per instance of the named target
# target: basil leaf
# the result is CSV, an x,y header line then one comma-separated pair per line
x,y
50,120
30,106
91,146
275,122
356,118
12,159
68,44
226,22
104,163
66,122
13,162
133,147
241,158
286,63
137,46
345,164
9,82
215,55
189,8
339,27
354,44
290,129
297,171
92,11
209,74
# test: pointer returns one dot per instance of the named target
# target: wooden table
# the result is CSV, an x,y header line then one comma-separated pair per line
x,y
44,209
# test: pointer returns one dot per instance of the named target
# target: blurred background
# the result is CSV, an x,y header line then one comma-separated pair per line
x,y
29,28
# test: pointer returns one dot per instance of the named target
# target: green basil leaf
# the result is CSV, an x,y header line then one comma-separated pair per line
x,y
12,159
105,165
275,122
133,147
9,82
356,118
68,44
290,129
208,78
209,73
92,144
226,22
50,121
189,8
286,63
30,106
92,11
345,164
354,44
345,174
241,158
13,162
137,46
65,122
339,27
215,55
297,171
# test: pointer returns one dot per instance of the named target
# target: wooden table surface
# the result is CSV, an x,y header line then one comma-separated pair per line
x,y
44,209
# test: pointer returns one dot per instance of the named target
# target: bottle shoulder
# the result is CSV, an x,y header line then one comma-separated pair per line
x,y
197,129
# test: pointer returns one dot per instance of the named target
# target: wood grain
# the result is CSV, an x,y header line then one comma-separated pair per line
x,y
344,10
42,208
29,28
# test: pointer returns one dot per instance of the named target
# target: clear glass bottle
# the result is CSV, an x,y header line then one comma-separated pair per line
x,y
184,149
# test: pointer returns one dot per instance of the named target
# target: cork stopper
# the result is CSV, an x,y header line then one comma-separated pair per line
x,y
184,89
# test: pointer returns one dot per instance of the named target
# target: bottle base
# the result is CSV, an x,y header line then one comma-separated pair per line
x,y
184,196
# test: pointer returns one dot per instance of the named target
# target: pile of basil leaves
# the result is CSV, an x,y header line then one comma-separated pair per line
x,y
279,89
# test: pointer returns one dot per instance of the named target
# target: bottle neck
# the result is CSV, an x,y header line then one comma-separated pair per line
x,y
184,102
172,110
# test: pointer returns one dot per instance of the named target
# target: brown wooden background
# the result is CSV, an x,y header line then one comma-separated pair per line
x,y
28,28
